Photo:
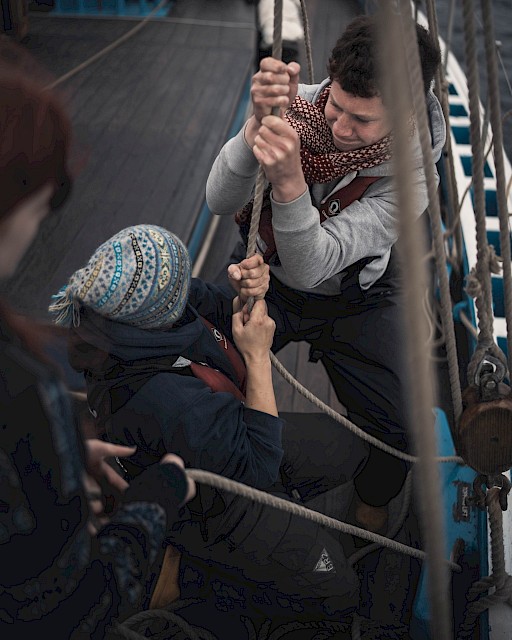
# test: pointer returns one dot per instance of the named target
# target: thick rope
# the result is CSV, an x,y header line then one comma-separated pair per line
x,y
499,580
338,417
497,132
479,281
307,41
267,499
401,62
108,48
277,52
437,236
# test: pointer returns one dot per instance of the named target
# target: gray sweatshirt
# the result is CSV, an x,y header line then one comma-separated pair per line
x,y
313,256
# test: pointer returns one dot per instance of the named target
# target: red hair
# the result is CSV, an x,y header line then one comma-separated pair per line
x,y
35,131
35,140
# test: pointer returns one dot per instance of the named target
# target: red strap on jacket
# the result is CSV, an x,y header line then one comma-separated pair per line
x,y
338,201
216,380
234,358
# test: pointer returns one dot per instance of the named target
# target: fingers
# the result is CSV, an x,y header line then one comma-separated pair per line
x,y
97,449
114,479
254,277
274,85
234,272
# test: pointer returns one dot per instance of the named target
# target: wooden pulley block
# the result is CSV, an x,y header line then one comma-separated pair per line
x,y
484,431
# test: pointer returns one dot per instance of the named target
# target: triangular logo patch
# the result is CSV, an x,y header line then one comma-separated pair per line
x,y
324,563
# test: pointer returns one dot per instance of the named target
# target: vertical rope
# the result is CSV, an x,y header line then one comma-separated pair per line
x,y
435,224
480,273
497,131
277,42
307,41
499,580
441,91
399,46
277,52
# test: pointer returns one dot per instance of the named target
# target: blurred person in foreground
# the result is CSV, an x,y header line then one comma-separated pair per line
x,y
70,565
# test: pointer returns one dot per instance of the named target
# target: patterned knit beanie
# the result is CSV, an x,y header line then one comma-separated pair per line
x,y
140,277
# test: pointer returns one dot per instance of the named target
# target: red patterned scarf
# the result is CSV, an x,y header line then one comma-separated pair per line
x,y
321,160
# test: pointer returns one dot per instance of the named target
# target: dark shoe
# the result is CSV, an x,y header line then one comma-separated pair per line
x,y
368,517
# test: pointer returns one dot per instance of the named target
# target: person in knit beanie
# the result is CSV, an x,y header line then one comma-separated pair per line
x,y
172,363
142,331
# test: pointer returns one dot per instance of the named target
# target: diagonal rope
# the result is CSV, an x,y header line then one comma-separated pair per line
x,y
126,36
267,499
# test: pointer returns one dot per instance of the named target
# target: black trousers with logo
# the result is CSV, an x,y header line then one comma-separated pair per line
x,y
286,553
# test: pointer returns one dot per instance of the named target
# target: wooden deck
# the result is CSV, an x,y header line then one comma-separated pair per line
x,y
149,118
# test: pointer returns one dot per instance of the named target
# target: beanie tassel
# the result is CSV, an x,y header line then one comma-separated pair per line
x,y
65,308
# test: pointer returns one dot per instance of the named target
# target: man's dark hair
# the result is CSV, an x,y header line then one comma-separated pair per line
x,y
353,61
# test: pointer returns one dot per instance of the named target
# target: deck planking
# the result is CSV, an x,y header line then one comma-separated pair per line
x,y
149,118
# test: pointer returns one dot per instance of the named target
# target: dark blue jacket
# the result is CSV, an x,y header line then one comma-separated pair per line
x,y
167,411
56,579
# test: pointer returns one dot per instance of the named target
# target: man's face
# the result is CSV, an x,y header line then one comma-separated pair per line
x,y
355,122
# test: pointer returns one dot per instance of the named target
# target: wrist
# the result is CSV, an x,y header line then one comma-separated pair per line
x,y
251,131
288,192
257,362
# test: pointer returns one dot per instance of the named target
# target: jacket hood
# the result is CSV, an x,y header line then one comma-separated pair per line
x,y
96,336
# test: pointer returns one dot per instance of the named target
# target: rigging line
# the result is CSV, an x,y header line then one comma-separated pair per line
x,y
500,580
277,52
399,43
441,91
267,499
307,40
496,125
438,242
108,48
338,417
480,272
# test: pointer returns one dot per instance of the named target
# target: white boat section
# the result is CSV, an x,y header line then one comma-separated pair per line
x,y
500,616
